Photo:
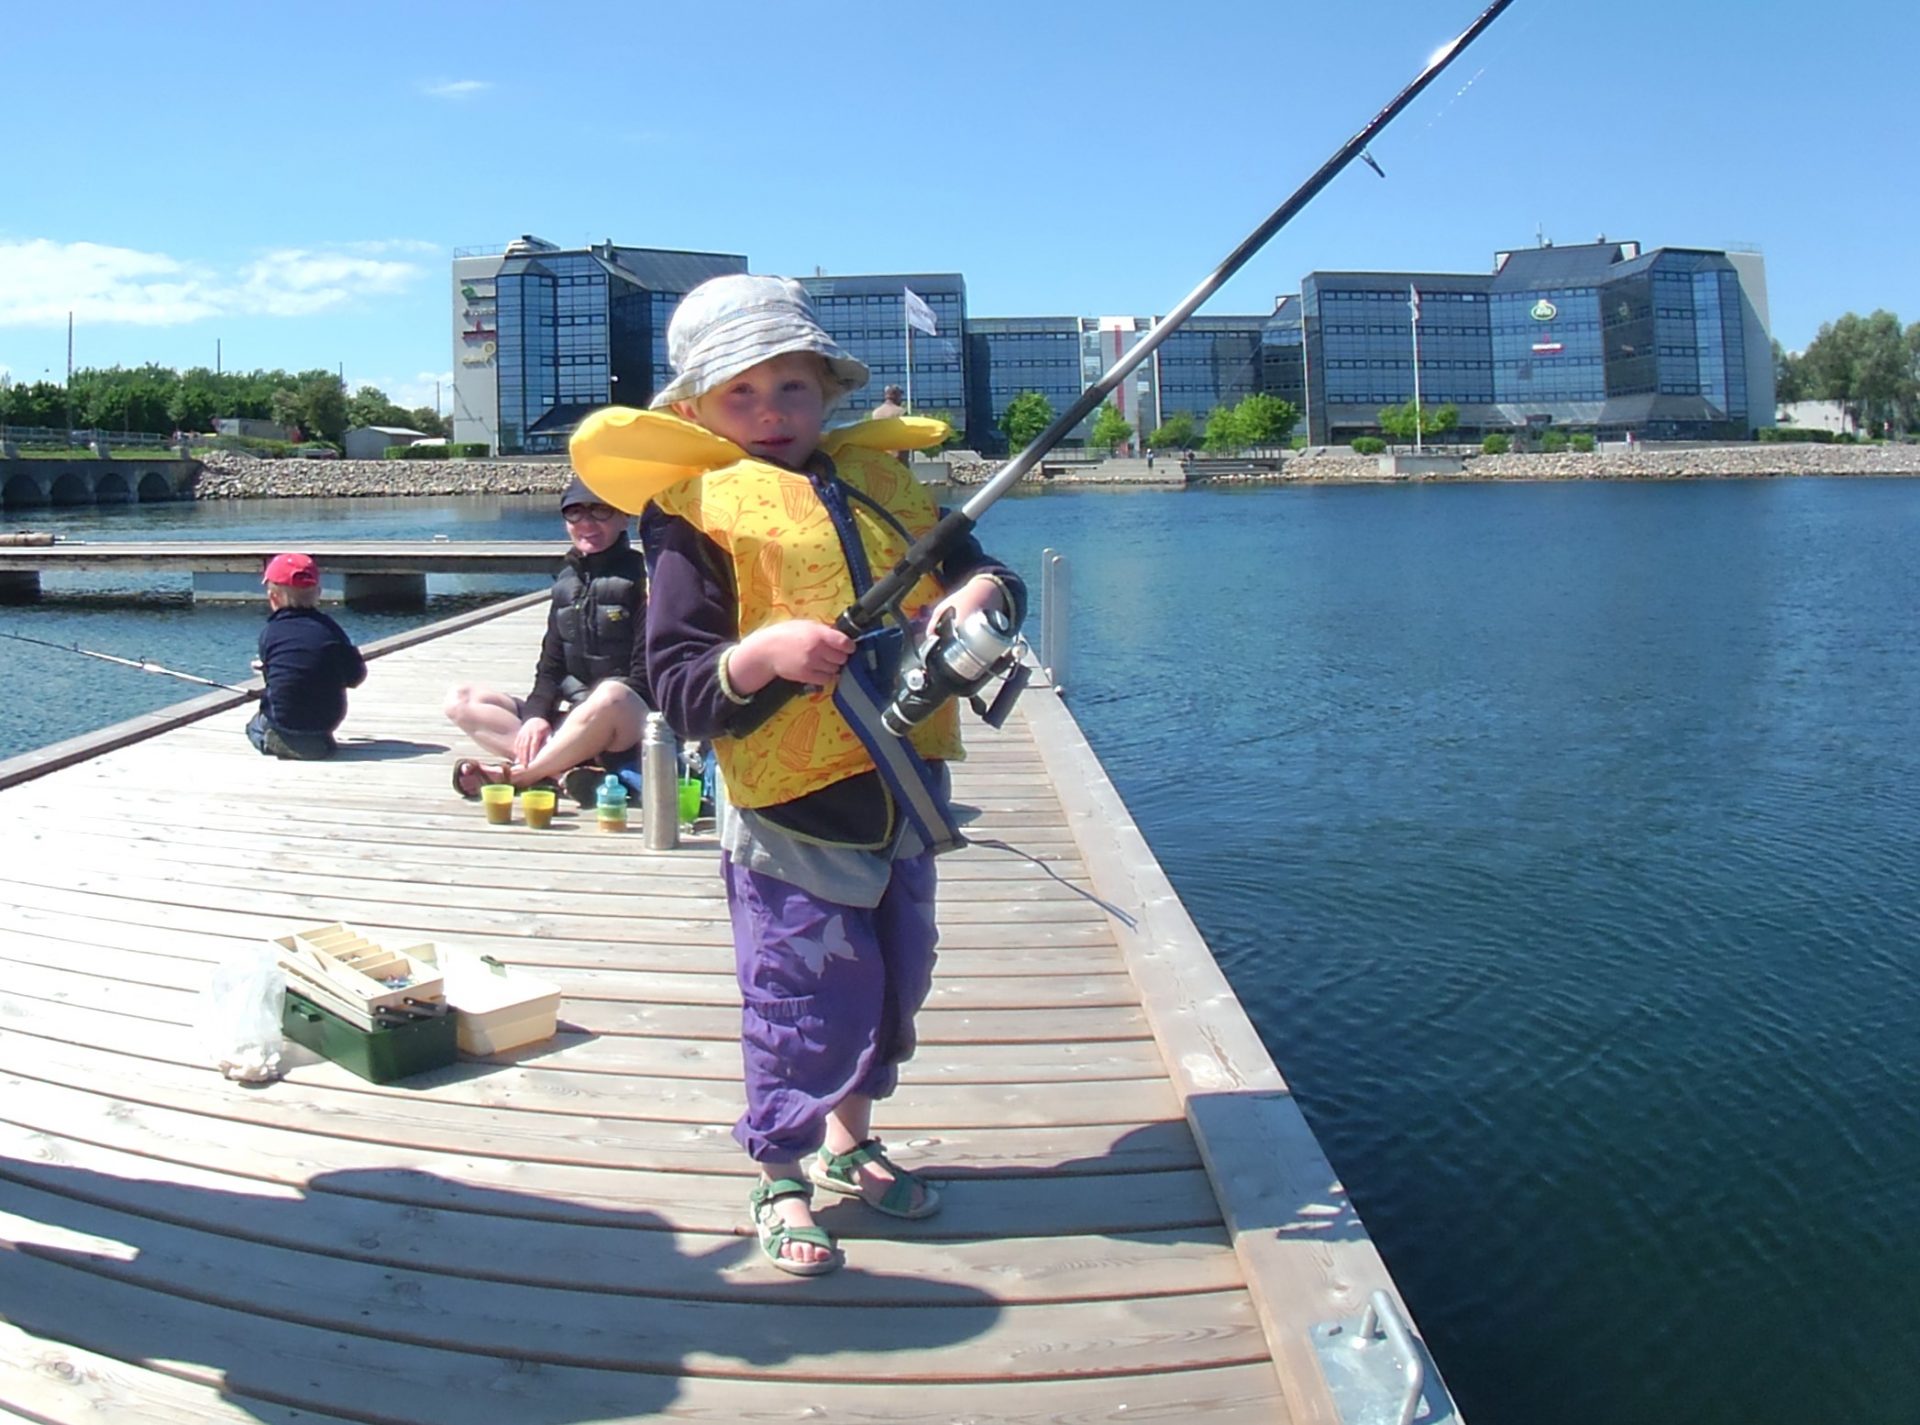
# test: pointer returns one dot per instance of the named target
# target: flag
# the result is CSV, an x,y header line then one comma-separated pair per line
x,y
1413,302
919,314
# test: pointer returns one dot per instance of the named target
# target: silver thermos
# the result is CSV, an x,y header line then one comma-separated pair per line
x,y
659,785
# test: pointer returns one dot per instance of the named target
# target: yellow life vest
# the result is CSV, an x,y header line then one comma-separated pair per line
x,y
787,562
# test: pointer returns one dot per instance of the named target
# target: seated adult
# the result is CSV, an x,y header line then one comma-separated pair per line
x,y
589,700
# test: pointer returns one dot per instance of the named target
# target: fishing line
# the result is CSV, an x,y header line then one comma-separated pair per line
x,y
143,665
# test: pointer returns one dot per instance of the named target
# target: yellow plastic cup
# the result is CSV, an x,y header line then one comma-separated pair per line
x,y
689,799
497,800
536,804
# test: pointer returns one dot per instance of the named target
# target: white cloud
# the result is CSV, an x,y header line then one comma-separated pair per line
x,y
455,88
42,280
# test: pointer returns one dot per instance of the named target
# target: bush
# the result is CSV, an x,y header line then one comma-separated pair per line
x,y
1553,442
416,452
1495,444
1790,435
1583,443
1299,442
1846,437
1368,444
468,450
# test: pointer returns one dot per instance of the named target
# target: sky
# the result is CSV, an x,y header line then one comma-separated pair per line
x,y
287,184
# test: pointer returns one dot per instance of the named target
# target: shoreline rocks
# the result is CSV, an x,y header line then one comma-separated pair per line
x,y
228,476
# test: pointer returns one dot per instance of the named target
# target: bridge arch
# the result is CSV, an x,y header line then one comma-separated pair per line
x,y
22,489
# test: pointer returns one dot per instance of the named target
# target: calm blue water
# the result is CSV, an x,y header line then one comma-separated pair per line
x,y
1560,840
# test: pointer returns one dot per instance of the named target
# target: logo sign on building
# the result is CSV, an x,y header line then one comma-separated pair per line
x,y
1544,311
479,328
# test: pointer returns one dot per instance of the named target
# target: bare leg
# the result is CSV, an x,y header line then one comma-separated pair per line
x,y
795,1212
608,721
490,718
848,1126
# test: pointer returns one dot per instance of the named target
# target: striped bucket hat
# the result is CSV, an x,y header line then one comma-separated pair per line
x,y
728,324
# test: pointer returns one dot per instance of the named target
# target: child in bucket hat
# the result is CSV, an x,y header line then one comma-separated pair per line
x,y
761,529
307,663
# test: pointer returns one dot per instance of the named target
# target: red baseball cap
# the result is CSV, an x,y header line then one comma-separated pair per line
x,y
298,570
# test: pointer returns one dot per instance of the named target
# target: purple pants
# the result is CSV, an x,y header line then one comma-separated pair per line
x,y
828,994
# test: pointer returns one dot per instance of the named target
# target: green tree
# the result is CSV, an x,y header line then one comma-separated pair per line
x,y
1863,362
426,418
1223,431
315,403
1788,378
1401,422
1110,428
1262,419
1178,433
1026,416
956,428
369,406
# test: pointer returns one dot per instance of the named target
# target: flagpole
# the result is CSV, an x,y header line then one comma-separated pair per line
x,y
1414,307
903,310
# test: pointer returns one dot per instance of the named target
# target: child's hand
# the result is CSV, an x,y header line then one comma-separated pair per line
x,y
982,591
800,650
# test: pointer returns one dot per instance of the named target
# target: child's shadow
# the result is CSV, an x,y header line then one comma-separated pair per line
x,y
399,1294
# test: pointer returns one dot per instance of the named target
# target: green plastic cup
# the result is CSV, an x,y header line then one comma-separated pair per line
x,y
689,799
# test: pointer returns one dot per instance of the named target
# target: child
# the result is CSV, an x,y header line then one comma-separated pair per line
x,y
754,539
308,663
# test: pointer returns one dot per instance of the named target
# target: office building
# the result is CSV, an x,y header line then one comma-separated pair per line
x,y
868,316
1667,345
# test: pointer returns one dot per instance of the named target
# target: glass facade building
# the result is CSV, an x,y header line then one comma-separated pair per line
x,y
1208,361
1666,345
867,315
584,328
1010,355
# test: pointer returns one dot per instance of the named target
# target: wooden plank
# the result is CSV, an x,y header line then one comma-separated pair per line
x,y
599,1256
950,1333
331,1147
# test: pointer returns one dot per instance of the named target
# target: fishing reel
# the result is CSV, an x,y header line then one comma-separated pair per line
x,y
957,659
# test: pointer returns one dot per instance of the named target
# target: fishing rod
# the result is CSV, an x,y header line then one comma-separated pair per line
x,y
868,611
142,664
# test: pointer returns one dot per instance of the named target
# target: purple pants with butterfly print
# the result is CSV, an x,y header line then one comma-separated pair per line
x,y
828,994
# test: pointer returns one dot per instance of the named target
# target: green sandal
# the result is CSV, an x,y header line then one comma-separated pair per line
x,y
775,1233
840,1172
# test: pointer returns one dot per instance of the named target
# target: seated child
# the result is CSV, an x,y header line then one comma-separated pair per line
x,y
308,663
761,530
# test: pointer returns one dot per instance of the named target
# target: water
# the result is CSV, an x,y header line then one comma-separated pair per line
x,y
1559,840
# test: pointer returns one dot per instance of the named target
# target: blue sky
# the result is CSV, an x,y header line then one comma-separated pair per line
x,y
290,181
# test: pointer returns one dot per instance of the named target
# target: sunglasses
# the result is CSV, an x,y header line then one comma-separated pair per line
x,y
576,514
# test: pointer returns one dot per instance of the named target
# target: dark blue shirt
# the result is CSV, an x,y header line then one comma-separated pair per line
x,y
308,663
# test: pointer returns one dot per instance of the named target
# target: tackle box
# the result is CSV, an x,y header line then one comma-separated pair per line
x,y
382,1054
494,1008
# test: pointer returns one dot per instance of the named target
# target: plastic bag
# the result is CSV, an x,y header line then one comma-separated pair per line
x,y
239,1015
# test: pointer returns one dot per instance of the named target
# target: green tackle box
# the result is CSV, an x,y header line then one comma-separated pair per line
x,y
393,1051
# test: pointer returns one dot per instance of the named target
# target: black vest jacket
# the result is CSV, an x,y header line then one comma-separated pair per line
x,y
599,605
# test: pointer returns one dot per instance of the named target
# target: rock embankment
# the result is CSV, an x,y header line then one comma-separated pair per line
x,y
227,476
1724,462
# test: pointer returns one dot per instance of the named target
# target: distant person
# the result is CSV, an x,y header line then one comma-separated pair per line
x,y
307,662
589,700
891,405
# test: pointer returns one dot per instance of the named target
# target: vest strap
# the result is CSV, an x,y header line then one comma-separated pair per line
x,y
860,692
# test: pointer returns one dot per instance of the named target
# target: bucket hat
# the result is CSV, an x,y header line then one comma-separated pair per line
x,y
728,324
295,570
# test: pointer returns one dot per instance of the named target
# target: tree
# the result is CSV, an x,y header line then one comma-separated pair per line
x,y
1788,377
1265,420
1401,422
1178,433
315,403
369,406
1026,416
956,428
1223,431
426,418
1863,362
1110,428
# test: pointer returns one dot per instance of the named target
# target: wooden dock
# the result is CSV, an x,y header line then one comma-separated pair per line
x,y
1138,1224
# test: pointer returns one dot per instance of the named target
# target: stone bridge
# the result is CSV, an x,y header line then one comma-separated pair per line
x,y
28,483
